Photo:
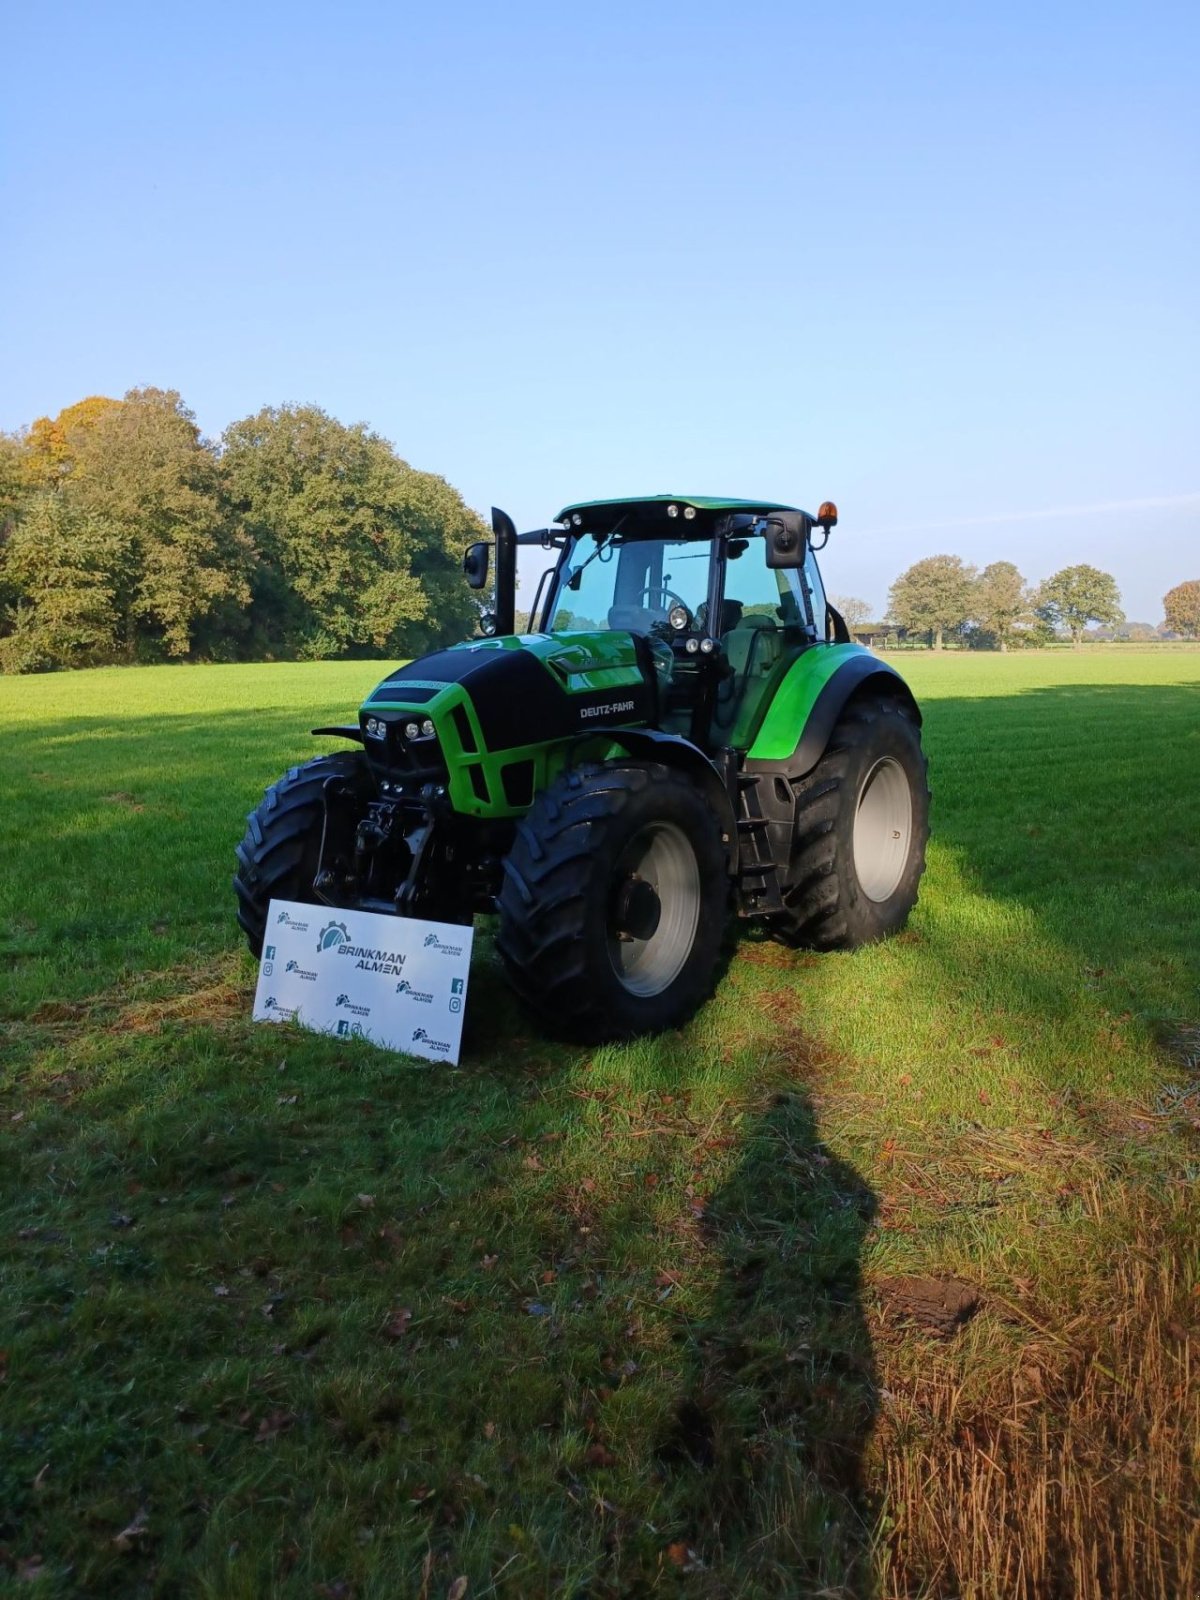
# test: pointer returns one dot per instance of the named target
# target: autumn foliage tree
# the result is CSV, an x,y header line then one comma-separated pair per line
x,y
1181,607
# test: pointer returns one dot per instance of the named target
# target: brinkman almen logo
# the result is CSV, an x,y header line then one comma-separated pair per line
x,y
420,1036
282,1012
285,919
423,995
333,933
432,942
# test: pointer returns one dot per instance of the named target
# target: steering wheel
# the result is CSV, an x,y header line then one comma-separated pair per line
x,y
651,599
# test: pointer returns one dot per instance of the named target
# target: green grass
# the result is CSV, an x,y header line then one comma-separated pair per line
x,y
287,1316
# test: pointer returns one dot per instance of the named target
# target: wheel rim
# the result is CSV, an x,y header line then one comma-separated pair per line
x,y
883,826
654,908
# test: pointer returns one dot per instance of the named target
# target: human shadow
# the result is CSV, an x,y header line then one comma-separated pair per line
x,y
764,1454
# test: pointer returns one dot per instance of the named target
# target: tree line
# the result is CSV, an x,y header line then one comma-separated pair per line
x,y
941,597
125,536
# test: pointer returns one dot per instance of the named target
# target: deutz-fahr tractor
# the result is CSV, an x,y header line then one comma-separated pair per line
x,y
684,730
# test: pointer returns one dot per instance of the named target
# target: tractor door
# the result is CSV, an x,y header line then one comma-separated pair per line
x,y
768,617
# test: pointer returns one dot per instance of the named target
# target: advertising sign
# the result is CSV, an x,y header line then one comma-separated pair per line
x,y
398,982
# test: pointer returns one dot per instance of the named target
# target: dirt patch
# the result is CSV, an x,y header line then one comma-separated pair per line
x,y
214,992
941,1306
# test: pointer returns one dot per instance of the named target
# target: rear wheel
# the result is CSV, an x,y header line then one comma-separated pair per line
x,y
614,900
862,823
280,851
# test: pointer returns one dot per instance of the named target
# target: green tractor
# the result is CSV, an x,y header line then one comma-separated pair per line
x,y
685,729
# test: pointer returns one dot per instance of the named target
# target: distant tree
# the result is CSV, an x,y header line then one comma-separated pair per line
x,y
1181,608
358,553
1139,632
1078,595
934,596
72,573
1001,602
143,469
855,612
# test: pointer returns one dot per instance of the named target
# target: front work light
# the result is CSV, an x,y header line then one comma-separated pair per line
x,y
427,728
411,731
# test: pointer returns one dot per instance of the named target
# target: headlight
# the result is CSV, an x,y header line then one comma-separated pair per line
x,y
411,730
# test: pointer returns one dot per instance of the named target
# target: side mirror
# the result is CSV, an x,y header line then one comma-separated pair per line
x,y
787,538
475,564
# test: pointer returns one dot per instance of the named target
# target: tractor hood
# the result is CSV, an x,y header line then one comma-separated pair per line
x,y
513,693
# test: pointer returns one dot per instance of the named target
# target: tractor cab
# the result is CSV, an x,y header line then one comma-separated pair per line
x,y
722,595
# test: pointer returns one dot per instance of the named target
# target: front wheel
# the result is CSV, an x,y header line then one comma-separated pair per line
x,y
278,856
862,823
614,901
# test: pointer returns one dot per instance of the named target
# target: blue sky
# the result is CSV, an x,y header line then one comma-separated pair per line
x,y
937,262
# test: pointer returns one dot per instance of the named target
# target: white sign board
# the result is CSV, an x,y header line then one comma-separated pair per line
x,y
396,981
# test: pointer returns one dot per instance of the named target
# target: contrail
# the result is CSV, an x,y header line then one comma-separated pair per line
x,y
1153,503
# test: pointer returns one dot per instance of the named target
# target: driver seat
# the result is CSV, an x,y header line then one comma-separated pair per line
x,y
752,648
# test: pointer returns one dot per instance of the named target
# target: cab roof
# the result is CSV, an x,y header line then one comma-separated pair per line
x,y
646,505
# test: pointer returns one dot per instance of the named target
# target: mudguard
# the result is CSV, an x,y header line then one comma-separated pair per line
x,y
809,701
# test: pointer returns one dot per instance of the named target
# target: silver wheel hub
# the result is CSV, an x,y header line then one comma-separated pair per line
x,y
883,825
653,909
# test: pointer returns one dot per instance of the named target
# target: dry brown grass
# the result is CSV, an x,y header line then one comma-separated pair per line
x,y
1073,1468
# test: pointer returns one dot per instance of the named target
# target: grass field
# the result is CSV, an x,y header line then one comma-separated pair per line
x,y
286,1316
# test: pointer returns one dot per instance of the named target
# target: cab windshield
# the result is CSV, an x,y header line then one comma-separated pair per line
x,y
631,585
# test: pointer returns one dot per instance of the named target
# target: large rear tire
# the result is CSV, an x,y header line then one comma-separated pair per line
x,y
614,901
861,830
280,850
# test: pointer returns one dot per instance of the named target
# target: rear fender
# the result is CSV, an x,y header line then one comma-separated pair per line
x,y
796,729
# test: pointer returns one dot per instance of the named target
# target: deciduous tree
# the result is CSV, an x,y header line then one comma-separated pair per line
x,y
1001,601
934,596
358,553
53,442
71,573
1078,595
855,612
143,468
1181,608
